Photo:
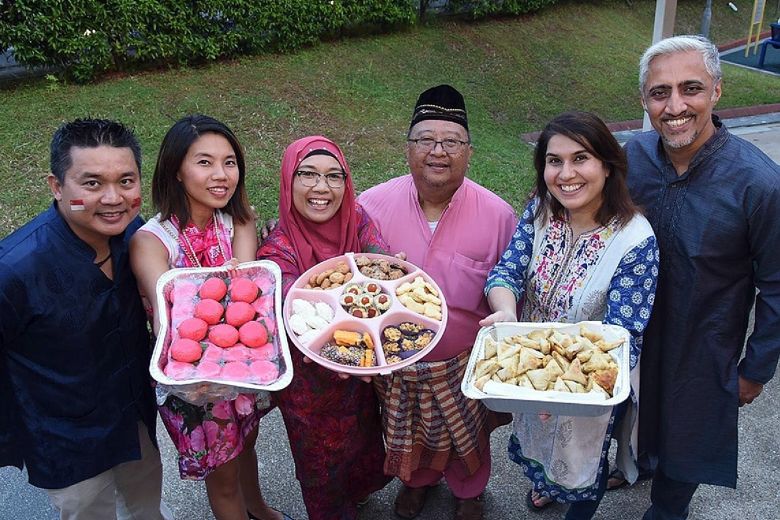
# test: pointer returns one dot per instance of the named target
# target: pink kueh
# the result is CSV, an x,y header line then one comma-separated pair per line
x,y
207,369
263,353
235,371
179,371
264,371
213,353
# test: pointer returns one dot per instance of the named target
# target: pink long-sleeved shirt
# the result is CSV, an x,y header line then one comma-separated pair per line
x,y
471,235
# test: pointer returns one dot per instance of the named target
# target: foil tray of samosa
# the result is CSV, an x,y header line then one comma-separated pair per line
x,y
576,369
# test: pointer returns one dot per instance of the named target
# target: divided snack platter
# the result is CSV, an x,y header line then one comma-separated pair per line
x,y
525,400
200,390
342,320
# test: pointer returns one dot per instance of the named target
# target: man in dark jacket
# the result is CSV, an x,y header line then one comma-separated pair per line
x,y
76,405
713,200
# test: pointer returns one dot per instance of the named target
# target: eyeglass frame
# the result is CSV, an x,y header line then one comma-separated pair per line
x,y
328,178
457,143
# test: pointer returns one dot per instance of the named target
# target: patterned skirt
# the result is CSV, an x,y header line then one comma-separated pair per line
x,y
335,434
564,457
428,421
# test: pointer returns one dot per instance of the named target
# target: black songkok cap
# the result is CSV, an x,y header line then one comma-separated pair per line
x,y
442,102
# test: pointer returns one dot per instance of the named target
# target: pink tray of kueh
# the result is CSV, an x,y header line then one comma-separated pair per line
x,y
343,320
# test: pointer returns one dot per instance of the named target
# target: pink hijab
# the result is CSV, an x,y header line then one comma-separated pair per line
x,y
315,242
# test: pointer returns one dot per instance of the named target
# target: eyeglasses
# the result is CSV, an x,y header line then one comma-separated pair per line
x,y
426,144
311,179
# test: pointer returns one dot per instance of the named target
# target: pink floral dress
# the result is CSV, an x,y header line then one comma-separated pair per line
x,y
205,436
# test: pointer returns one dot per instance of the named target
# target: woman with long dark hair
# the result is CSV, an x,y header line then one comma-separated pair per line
x,y
205,220
582,251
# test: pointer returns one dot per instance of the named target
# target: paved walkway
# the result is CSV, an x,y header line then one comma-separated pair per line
x,y
756,497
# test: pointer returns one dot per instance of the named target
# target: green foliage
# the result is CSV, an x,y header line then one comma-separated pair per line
x,y
484,8
56,33
88,37
515,74
85,38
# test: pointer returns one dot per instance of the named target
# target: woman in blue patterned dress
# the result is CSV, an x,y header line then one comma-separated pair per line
x,y
582,251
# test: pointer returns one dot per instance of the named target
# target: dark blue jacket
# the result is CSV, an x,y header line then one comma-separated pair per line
x,y
718,230
74,355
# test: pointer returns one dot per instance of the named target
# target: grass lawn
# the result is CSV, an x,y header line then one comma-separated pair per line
x,y
515,73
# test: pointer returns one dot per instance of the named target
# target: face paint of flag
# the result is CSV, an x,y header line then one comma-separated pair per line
x,y
136,203
76,205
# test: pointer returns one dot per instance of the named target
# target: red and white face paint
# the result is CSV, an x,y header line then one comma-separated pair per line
x,y
77,204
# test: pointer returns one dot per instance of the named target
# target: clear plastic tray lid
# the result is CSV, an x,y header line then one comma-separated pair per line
x,y
221,373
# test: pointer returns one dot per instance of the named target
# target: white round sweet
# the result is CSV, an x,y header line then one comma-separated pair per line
x,y
298,324
324,311
303,308
309,336
316,322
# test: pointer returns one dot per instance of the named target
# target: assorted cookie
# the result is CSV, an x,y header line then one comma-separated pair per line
x,y
330,278
364,300
421,297
404,340
348,325
381,269
350,348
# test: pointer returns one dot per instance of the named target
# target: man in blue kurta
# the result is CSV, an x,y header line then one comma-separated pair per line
x,y
713,200
76,405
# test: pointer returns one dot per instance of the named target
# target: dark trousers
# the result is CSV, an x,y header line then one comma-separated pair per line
x,y
669,498
585,509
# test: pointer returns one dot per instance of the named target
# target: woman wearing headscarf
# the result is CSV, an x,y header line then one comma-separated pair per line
x,y
333,423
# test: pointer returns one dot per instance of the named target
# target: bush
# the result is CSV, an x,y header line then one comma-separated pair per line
x,y
483,8
88,37
53,33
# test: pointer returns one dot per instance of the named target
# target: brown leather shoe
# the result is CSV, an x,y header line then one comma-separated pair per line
x,y
470,508
410,501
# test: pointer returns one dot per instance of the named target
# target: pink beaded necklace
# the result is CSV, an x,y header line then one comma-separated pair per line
x,y
186,245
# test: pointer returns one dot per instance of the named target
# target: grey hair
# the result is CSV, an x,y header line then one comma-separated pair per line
x,y
675,44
